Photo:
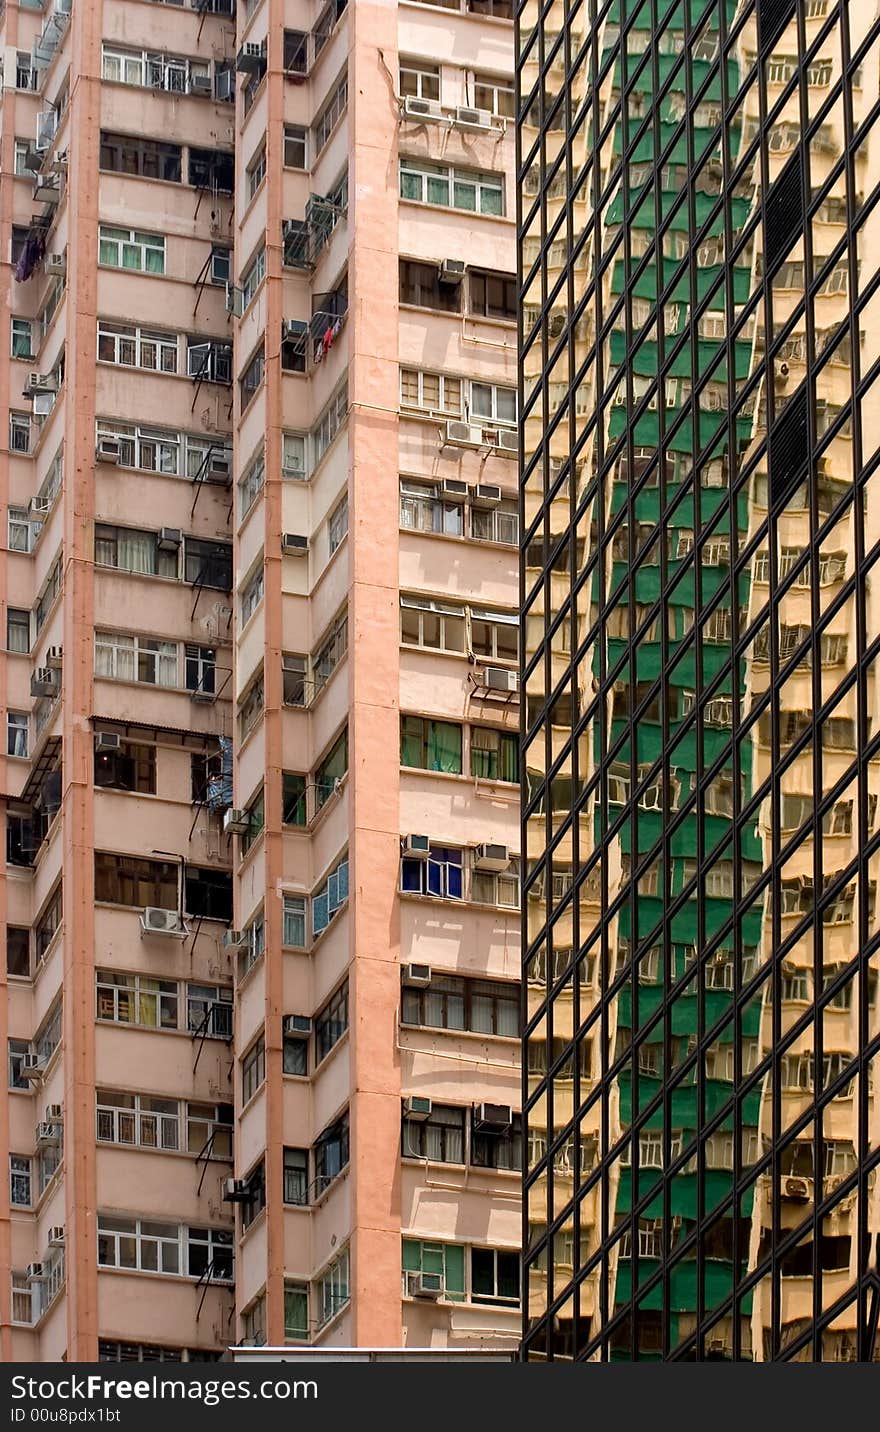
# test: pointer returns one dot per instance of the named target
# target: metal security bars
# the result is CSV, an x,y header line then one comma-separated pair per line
x,y
698,234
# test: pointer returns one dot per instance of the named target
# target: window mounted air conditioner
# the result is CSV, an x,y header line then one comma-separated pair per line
x,y
42,383
459,434
414,107
236,822
55,657
224,87
54,1113
296,1026
491,858
508,441
108,742
56,264
35,1273
293,329
452,271
39,506
234,300
220,266
486,495
415,976
33,1067
424,1285
201,85
250,58
155,921
236,1190
56,1236
500,678
294,544
492,1118
467,118
220,469
417,1108
170,539
797,1189
107,450
453,489
416,847
235,940
44,682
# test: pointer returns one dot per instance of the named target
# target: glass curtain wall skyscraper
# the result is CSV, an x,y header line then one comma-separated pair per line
x,y
699,242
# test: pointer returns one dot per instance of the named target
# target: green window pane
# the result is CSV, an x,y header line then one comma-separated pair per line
x,y
455,1270
108,252
438,190
444,747
412,1255
465,196
155,261
410,186
490,201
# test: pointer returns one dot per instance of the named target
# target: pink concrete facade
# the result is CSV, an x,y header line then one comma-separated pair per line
x,y
259,587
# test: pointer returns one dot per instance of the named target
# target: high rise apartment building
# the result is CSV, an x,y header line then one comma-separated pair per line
x,y
261,999
699,263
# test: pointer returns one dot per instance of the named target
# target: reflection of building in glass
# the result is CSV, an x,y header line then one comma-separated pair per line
x,y
701,640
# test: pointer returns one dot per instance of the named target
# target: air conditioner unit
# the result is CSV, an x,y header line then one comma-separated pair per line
x,y
155,921
55,657
55,263
452,271
416,847
201,85
107,450
236,822
417,1108
454,489
56,1236
39,506
170,539
234,300
54,1113
44,682
219,469
467,118
491,857
416,108
296,1026
108,742
459,434
293,329
224,87
33,1067
35,1273
294,544
235,940
236,1190
508,441
47,190
415,976
42,383
492,1118
796,1188
424,1285
250,58
486,494
500,678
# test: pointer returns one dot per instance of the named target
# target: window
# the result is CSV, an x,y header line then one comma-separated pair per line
x,y
432,393
137,1119
333,418
293,679
331,1154
330,114
16,1050
494,754
252,595
252,377
256,172
449,1002
255,945
147,1245
21,532
255,1202
329,654
419,79
47,924
422,509
439,875
249,712
293,922
16,733
253,1320
491,403
447,1259
498,523
293,799
130,768
420,285
131,249
295,146
296,1176
20,342
136,658
19,432
131,347
466,189
439,1138
209,1011
332,1289
492,295
18,630
337,525
20,1180
495,93
212,169
48,593
295,1055
253,1069
501,1150
144,158
132,551
296,1311
252,278
200,668
430,745
209,1251
18,951
331,1022
293,455
436,625
331,770
494,634
330,897
26,72
207,564
256,814
136,999
494,1276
